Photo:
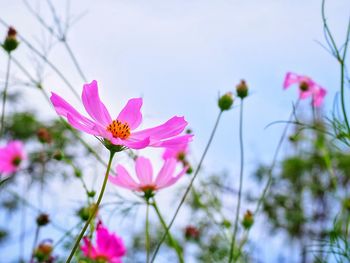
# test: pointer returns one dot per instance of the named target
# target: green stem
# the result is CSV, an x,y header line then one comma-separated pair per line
x,y
92,215
172,241
188,188
5,94
147,243
269,180
233,241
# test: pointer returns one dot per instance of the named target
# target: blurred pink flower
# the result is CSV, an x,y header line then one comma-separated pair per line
x,y
307,88
121,130
11,157
109,247
179,153
144,173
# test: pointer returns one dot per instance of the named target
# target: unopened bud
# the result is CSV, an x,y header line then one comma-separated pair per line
x,y
248,220
42,220
77,173
43,252
10,42
91,193
58,155
191,232
85,212
242,89
346,204
44,135
225,101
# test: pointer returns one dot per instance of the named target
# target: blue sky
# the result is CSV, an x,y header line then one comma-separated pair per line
x,y
179,55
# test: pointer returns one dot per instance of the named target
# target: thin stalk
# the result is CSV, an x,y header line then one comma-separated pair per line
x,y
233,241
92,215
341,59
5,94
147,243
189,186
269,180
74,59
35,241
172,241
274,160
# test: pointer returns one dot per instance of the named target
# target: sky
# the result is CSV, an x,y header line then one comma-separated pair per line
x,y
180,55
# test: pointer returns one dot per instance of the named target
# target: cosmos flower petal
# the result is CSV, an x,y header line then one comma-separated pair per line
x,y
81,125
176,142
93,105
63,108
131,113
166,171
290,79
144,170
108,246
123,179
172,180
171,128
135,144
319,97
87,249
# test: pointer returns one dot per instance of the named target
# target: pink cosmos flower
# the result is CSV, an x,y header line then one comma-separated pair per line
x,y
120,131
109,247
144,173
11,157
307,88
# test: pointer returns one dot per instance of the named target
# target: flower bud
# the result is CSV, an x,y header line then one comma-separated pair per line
x,y
10,42
42,220
225,101
58,155
44,135
248,220
85,212
43,252
346,204
242,89
192,233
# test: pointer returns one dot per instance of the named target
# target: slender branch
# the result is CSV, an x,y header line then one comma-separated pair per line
x,y
44,58
94,211
189,187
75,61
240,182
5,94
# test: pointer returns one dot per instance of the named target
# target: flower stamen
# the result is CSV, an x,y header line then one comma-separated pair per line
x,y
119,129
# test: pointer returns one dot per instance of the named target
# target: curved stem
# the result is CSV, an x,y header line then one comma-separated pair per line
x,y
189,186
92,215
5,94
172,241
240,182
147,243
274,160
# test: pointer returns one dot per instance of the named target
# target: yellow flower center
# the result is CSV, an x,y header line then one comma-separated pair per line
x,y
119,129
